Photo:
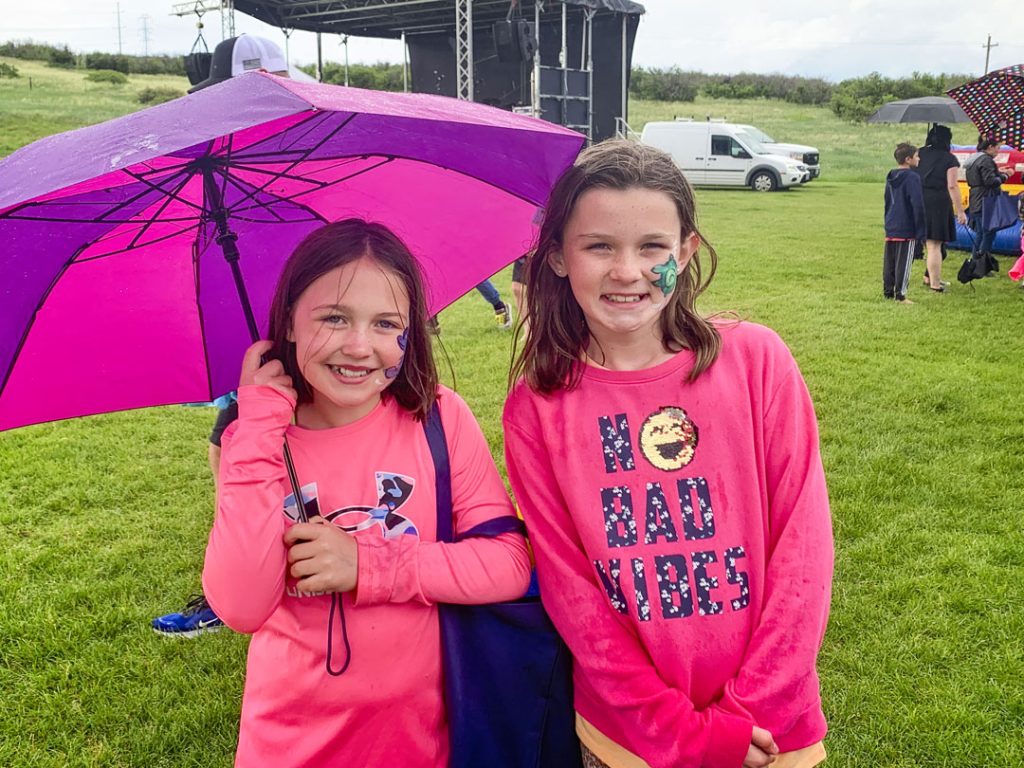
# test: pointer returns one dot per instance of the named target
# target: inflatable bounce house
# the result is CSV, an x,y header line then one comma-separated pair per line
x,y
1007,240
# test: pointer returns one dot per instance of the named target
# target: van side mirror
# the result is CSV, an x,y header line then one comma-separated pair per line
x,y
740,153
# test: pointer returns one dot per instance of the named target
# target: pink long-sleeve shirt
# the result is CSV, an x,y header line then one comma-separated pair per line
x,y
683,545
375,477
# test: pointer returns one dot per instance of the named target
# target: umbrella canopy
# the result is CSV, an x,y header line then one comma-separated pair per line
x,y
995,103
116,291
927,109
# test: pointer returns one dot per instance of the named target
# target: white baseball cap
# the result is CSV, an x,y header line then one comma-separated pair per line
x,y
238,55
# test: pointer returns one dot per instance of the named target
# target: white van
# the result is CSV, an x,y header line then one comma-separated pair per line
x,y
809,156
720,154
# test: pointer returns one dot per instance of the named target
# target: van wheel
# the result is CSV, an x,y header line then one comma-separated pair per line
x,y
764,181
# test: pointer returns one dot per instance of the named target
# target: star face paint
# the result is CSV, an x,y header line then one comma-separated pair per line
x,y
403,341
667,274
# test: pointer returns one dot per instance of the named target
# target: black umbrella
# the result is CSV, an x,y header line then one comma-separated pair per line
x,y
927,109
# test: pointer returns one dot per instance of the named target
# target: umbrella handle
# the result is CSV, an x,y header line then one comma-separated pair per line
x,y
289,465
227,240
293,477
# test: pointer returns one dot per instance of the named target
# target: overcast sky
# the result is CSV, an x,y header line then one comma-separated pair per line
x,y
819,38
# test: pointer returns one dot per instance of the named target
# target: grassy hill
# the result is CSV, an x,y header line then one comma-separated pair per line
x,y
46,100
103,520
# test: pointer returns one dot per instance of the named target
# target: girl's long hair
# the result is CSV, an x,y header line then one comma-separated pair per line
x,y
557,336
335,245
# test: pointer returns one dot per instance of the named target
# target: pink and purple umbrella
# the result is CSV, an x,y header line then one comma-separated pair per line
x,y
995,104
139,255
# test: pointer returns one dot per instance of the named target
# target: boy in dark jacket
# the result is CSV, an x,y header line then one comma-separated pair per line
x,y
904,222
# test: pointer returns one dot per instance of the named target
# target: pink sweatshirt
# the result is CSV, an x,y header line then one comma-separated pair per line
x,y
374,477
683,546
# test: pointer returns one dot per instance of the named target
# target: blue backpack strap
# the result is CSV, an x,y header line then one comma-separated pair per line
x,y
434,430
496,526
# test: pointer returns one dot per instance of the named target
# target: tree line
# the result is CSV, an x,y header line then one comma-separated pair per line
x,y
852,99
62,56
381,76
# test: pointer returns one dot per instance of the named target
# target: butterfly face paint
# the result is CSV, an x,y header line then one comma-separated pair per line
x,y
667,274
403,341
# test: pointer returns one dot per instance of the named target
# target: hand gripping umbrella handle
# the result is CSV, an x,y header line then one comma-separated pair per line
x,y
227,240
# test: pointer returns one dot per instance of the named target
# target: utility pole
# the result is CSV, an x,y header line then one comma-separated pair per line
x,y
119,51
344,41
145,34
988,46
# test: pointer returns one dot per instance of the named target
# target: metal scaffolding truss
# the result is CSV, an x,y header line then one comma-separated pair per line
x,y
199,7
464,49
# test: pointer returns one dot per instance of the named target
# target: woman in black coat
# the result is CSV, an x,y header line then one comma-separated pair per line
x,y
984,179
937,168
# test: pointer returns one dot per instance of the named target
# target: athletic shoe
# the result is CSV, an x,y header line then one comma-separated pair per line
x,y
195,618
503,316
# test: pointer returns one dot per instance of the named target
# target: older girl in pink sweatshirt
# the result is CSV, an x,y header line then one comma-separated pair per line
x,y
668,471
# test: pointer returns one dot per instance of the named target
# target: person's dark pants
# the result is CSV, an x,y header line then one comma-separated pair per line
x,y
896,268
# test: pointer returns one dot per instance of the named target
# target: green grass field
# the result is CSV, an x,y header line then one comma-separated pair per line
x,y
103,520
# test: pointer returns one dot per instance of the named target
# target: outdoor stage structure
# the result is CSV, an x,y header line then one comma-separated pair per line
x,y
565,61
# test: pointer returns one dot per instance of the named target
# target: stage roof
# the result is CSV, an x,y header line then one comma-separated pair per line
x,y
390,18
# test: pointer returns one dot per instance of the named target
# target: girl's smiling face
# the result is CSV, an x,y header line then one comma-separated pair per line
x,y
621,250
348,328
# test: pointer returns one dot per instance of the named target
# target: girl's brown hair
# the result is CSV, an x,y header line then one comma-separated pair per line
x,y
557,336
335,245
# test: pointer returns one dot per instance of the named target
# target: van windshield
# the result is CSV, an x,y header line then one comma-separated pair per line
x,y
752,142
758,135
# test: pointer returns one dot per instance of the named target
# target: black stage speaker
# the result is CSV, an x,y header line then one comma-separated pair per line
x,y
515,40
197,66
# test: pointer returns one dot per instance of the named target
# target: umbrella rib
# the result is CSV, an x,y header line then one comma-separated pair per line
x,y
196,251
304,155
104,217
283,175
433,164
246,195
160,239
267,208
151,169
308,125
35,313
58,220
292,198
150,186
151,220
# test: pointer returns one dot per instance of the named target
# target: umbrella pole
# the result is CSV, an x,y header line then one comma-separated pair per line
x,y
228,242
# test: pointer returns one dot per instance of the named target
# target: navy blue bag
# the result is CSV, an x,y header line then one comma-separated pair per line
x,y
507,673
998,211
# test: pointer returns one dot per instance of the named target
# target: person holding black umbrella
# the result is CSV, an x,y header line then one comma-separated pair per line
x,y
937,168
